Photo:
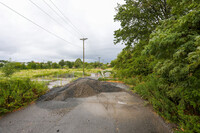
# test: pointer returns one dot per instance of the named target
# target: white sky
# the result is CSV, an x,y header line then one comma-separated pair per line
x,y
21,40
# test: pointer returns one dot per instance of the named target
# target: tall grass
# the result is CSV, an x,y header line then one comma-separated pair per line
x,y
18,92
19,89
176,103
40,73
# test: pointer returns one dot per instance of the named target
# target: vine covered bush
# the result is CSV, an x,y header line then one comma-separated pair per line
x,y
15,93
166,59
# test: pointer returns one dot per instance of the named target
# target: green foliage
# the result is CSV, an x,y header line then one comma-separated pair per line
x,y
55,65
15,93
177,103
175,43
165,57
62,63
132,81
157,92
138,19
8,69
69,64
182,7
78,63
130,62
107,79
32,65
49,64
44,73
1,64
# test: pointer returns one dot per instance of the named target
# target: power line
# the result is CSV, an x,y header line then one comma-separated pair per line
x,y
66,18
37,24
57,13
49,16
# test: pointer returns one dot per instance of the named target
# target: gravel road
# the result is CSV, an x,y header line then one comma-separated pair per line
x,y
85,106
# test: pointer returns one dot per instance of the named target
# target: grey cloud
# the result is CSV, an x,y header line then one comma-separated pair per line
x,y
23,41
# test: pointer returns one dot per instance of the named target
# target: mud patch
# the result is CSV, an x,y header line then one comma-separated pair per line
x,y
83,87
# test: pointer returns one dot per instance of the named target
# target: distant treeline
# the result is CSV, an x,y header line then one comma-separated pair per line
x,y
54,65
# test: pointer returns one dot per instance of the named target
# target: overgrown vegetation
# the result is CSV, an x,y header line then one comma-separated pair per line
x,y
19,88
18,92
8,69
162,57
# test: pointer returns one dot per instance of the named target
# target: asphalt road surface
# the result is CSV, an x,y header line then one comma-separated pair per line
x,y
105,112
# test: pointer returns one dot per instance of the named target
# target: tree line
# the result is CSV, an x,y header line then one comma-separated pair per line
x,y
54,65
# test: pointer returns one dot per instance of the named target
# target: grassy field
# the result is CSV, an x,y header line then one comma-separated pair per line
x,y
23,87
50,73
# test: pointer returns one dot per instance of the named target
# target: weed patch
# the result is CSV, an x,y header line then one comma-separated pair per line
x,y
15,93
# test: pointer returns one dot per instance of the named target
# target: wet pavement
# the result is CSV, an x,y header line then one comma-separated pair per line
x,y
59,82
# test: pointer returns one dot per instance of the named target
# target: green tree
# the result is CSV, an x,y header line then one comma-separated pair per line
x,y
62,63
138,19
1,64
32,65
23,66
8,69
69,64
17,65
55,65
49,63
78,63
113,63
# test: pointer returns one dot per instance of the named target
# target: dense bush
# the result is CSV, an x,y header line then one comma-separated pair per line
x,y
15,93
8,69
175,44
166,59
177,103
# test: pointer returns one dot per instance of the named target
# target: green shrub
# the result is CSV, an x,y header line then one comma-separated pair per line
x,y
106,79
15,93
8,69
132,81
177,103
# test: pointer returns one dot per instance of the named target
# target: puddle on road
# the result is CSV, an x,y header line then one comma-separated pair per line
x,y
60,82
121,103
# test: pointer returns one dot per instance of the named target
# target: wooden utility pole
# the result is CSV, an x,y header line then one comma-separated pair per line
x,y
99,62
83,53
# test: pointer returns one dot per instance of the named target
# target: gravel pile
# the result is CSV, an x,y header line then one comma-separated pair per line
x,y
83,87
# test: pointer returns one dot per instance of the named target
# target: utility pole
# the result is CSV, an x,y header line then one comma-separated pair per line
x,y
99,61
83,53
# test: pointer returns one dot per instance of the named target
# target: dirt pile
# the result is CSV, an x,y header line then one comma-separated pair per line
x,y
83,87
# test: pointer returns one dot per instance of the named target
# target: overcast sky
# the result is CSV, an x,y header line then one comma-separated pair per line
x,y
22,41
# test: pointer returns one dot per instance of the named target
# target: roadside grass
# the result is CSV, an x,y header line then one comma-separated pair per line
x,y
22,87
51,73
172,102
40,73
92,70
108,79
19,92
